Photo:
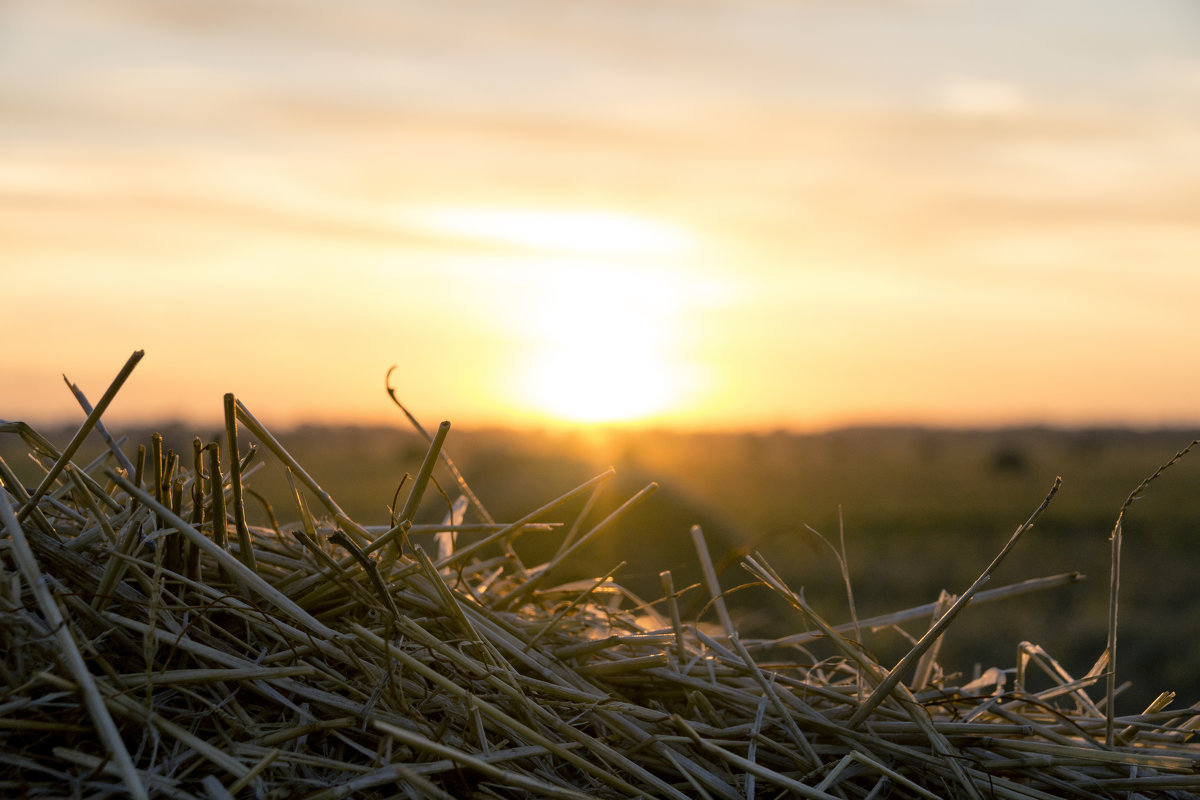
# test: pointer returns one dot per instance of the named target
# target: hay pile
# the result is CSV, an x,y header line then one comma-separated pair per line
x,y
148,653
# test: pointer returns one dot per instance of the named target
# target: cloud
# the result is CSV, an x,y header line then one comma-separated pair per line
x,y
980,97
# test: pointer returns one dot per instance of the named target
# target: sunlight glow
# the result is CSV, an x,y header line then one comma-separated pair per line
x,y
600,303
602,346
578,232
594,383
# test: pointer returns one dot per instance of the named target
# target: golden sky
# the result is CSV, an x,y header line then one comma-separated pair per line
x,y
709,213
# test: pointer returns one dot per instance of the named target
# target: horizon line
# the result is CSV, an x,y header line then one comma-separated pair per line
x,y
664,428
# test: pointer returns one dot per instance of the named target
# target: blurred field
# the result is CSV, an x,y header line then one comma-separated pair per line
x,y
922,510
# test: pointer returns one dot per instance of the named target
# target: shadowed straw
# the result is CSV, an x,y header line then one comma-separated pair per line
x,y
27,563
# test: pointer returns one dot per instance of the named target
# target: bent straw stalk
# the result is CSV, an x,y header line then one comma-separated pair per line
x,y
415,494
458,477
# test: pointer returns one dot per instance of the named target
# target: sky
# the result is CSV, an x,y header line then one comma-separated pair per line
x,y
700,214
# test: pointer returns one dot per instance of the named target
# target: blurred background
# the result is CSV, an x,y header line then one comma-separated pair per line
x,y
887,267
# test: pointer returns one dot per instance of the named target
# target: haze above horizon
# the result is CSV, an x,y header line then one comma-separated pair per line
x,y
735,215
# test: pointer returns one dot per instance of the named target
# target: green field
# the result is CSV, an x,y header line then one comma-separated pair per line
x,y
921,511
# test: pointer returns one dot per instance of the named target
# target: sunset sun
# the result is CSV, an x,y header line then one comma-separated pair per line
x,y
597,299
602,349
596,382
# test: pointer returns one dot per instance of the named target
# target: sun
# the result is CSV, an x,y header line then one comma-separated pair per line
x,y
599,381
596,298
601,348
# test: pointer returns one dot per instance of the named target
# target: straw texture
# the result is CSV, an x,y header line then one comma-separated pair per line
x,y
146,654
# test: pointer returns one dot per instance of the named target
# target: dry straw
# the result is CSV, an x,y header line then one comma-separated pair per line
x,y
154,644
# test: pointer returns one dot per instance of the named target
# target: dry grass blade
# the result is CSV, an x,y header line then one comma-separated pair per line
x,y
245,549
506,777
113,447
897,673
927,609
462,483
251,579
506,531
399,532
77,440
1115,586
522,592
261,433
794,786
69,651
